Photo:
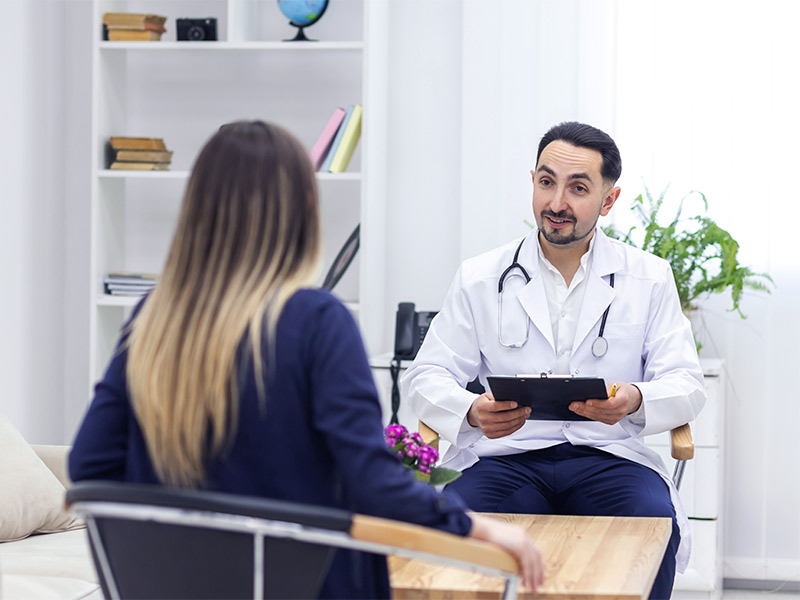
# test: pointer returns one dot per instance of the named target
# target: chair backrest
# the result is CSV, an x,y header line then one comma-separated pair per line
x,y
154,542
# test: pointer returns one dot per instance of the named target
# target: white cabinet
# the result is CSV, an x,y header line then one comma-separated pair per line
x,y
701,491
183,91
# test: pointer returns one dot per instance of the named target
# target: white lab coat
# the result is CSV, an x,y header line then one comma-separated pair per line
x,y
650,344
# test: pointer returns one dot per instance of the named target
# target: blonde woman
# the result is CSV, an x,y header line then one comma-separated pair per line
x,y
235,375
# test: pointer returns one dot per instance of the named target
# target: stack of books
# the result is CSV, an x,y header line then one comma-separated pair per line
x,y
139,154
133,27
334,147
129,284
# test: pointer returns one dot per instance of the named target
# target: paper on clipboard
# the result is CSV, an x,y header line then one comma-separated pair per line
x,y
548,396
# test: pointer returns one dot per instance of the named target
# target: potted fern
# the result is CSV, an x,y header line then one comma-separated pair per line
x,y
703,255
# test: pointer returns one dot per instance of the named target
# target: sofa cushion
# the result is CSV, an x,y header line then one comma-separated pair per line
x,y
57,565
31,498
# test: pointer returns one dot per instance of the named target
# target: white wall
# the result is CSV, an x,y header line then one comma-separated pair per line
x,y
32,233
76,195
423,163
473,86
526,66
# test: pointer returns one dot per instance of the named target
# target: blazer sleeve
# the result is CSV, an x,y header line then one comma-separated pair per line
x,y
100,449
101,446
347,413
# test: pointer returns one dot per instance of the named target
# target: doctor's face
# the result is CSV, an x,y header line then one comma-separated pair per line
x,y
569,193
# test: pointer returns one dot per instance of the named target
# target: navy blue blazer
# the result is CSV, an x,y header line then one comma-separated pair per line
x,y
319,439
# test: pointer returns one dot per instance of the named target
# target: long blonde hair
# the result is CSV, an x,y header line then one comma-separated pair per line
x,y
247,239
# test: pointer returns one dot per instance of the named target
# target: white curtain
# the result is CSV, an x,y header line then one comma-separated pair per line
x,y
707,99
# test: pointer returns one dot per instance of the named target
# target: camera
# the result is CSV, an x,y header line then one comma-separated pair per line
x,y
196,30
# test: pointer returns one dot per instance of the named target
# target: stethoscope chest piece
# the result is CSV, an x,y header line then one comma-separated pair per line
x,y
599,347
600,344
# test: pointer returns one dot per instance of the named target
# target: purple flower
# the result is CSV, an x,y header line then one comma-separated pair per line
x,y
414,454
412,450
394,434
427,457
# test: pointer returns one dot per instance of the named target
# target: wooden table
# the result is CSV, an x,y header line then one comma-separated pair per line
x,y
585,558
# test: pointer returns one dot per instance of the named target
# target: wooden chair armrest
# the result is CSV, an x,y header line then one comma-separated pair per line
x,y
430,541
682,443
429,436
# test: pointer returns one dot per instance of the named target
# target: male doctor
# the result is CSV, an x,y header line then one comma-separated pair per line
x,y
565,299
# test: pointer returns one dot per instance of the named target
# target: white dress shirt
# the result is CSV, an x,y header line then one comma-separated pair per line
x,y
564,302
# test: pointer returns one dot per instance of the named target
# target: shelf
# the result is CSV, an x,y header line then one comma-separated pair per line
x,y
219,46
384,361
124,301
109,300
121,174
338,176
352,306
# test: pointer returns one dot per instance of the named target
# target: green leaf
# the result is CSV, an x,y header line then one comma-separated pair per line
x,y
703,255
443,475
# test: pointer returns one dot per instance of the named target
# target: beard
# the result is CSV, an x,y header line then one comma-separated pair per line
x,y
563,238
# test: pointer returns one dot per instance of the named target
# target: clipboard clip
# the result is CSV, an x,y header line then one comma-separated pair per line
x,y
542,375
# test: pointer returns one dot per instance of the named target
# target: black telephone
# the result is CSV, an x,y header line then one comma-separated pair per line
x,y
410,329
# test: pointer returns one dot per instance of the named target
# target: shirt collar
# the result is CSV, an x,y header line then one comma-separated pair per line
x,y
586,259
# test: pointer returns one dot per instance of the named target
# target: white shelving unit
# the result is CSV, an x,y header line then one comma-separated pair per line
x,y
183,91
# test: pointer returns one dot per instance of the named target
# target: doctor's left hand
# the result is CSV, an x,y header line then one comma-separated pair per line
x,y
625,401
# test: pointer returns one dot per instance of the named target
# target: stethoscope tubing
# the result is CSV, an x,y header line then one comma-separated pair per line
x,y
600,344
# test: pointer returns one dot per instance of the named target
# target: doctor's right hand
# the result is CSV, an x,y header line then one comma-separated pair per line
x,y
497,418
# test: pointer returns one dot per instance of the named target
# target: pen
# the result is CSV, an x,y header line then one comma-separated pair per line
x,y
613,391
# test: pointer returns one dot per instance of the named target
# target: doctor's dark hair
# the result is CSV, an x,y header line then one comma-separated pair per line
x,y
247,238
586,136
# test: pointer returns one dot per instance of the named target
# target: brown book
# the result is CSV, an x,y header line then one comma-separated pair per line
x,y
119,142
139,166
143,27
156,156
133,35
132,20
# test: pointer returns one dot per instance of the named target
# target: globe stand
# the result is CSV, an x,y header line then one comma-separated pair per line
x,y
301,36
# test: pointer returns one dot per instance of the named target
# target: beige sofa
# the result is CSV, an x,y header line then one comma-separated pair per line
x,y
55,565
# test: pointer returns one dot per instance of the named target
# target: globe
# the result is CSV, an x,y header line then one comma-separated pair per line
x,y
302,14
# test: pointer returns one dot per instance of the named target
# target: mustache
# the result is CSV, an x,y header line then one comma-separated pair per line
x,y
563,215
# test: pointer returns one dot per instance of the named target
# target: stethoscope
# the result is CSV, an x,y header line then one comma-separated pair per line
x,y
599,346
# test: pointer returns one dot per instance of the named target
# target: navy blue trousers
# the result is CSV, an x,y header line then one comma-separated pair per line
x,y
572,480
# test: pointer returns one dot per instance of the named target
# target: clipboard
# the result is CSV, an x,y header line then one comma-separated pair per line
x,y
548,397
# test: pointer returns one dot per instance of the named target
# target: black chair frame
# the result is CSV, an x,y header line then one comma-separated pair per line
x,y
135,534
